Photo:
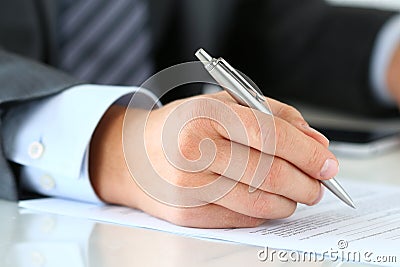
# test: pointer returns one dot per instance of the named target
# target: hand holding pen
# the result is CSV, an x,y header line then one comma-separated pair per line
x,y
247,95
233,140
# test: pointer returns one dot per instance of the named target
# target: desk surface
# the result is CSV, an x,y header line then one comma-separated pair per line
x,y
35,239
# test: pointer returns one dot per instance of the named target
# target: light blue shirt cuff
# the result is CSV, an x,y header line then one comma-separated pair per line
x,y
50,137
387,42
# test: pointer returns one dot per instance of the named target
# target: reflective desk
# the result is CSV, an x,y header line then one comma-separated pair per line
x,y
37,239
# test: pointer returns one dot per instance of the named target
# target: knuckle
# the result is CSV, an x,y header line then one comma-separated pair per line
x,y
180,180
288,111
313,194
289,210
189,141
277,172
283,139
260,207
314,157
186,144
265,134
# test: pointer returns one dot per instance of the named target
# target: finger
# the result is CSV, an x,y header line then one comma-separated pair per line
x,y
304,152
264,172
311,132
275,136
285,112
210,216
257,204
294,117
287,180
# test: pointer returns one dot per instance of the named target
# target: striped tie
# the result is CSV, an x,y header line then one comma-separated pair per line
x,y
105,42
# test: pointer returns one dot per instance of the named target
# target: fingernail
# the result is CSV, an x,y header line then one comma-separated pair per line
x,y
321,195
312,130
329,169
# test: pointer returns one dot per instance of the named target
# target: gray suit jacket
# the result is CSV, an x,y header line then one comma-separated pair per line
x,y
301,49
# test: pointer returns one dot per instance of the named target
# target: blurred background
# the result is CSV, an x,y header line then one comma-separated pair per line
x,y
384,4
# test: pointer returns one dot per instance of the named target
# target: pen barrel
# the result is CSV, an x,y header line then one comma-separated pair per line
x,y
237,90
336,189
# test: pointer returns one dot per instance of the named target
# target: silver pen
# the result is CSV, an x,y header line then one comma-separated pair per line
x,y
247,95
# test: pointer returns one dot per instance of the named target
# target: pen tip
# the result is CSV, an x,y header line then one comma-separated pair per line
x,y
350,203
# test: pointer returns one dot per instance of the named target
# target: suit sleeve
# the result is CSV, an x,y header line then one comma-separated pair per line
x,y
309,51
23,80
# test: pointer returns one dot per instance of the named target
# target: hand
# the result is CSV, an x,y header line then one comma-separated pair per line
x,y
393,76
301,159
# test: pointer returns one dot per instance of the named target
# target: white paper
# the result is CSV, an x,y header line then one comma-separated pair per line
x,y
371,233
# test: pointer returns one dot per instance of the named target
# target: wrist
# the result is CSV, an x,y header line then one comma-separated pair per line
x,y
108,172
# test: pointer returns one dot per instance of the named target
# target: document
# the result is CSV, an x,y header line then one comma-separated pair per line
x,y
370,233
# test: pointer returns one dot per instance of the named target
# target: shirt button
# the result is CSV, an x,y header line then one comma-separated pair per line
x,y
48,225
47,182
37,258
35,150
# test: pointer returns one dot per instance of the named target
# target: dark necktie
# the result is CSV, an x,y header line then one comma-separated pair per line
x,y
105,42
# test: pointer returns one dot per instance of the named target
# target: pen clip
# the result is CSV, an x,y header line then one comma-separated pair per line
x,y
253,90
